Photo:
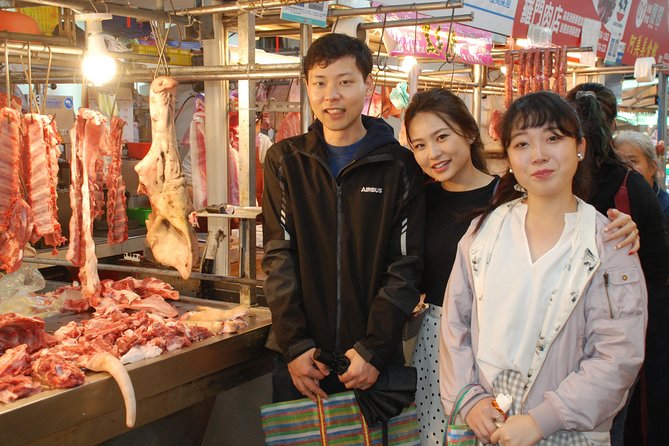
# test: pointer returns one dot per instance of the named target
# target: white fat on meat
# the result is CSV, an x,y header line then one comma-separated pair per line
x,y
216,320
169,234
139,352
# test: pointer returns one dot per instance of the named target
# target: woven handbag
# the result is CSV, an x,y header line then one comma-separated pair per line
x,y
460,434
335,421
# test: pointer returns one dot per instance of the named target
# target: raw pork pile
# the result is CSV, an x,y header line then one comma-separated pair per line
x,y
31,359
169,233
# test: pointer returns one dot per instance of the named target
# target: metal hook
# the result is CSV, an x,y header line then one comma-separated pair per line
x,y
95,8
48,74
9,85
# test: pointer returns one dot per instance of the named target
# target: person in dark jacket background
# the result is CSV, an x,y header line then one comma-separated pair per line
x,y
343,211
597,108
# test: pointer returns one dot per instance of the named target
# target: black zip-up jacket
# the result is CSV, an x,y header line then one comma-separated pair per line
x,y
343,254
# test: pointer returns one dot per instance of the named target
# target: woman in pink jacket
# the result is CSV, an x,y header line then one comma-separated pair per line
x,y
537,305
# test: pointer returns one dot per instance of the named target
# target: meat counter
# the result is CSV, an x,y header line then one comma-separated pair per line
x,y
95,412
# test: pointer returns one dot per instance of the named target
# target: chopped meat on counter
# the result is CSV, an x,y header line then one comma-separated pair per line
x,y
15,361
16,330
14,387
56,371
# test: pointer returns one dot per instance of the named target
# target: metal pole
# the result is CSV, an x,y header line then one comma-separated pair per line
x,y
420,21
355,12
306,37
247,155
125,11
147,76
662,125
21,37
365,26
75,51
612,70
216,96
571,49
239,6
476,93
151,271
285,32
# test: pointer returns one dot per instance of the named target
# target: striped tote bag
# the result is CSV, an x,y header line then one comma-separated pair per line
x,y
335,421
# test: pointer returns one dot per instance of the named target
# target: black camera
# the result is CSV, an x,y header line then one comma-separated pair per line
x,y
336,362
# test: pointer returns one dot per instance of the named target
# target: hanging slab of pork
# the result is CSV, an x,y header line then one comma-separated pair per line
x,y
16,217
41,154
169,234
117,218
89,144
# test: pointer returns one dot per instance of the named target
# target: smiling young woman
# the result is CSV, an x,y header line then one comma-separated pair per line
x,y
539,306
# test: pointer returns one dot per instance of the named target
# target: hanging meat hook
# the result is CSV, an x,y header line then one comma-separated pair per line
x,y
46,83
9,85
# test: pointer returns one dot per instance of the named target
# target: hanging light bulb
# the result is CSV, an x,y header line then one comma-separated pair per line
x,y
98,66
408,63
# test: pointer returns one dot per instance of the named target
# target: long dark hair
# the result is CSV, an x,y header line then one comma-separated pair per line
x,y
531,111
454,113
596,107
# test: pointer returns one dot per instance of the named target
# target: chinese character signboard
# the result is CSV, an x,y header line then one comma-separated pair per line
x,y
490,15
465,44
629,28
647,31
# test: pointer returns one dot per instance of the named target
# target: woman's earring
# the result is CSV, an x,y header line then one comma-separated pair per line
x,y
510,170
518,188
579,155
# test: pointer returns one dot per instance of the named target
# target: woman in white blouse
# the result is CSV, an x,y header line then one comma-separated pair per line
x,y
537,305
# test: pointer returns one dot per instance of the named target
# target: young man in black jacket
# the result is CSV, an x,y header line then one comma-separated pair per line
x,y
343,231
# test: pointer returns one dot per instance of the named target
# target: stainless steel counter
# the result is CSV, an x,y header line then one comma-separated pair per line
x,y
94,412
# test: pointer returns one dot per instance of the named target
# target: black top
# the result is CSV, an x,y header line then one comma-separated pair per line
x,y
342,254
446,223
646,213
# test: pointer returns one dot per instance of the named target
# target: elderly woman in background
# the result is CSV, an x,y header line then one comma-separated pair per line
x,y
639,151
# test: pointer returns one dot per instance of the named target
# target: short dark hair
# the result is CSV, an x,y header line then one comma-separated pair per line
x,y
453,111
332,47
